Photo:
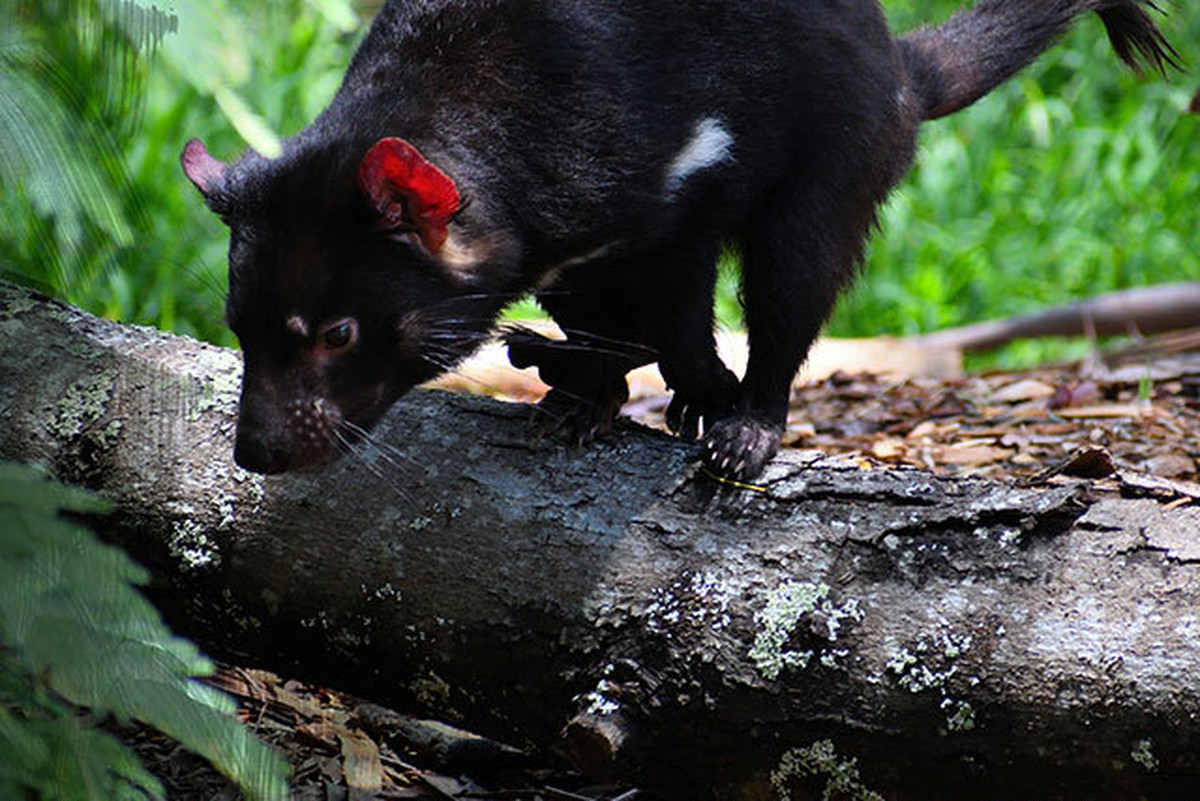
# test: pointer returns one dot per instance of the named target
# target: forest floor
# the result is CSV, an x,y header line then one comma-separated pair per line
x,y
1128,418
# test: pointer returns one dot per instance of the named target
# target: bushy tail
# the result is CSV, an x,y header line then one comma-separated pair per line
x,y
973,52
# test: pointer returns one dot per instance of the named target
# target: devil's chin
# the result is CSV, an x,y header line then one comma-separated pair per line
x,y
308,451
306,433
257,456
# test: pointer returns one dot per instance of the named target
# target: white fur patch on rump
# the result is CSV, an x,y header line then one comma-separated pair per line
x,y
710,145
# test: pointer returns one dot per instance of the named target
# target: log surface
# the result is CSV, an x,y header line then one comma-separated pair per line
x,y
957,637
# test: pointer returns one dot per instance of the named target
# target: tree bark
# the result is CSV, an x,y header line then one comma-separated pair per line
x,y
959,638
1145,310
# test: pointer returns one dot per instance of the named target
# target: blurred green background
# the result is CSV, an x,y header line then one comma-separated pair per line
x,y
1076,178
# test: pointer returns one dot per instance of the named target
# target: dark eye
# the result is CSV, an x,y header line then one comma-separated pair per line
x,y
340,334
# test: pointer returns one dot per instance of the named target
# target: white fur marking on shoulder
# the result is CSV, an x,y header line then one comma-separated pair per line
x,y
710,144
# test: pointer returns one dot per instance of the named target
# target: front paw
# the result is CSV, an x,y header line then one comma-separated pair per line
x,y
586,418
740,447
710,403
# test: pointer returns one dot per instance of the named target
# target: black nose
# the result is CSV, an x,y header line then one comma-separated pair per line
x,y
255,455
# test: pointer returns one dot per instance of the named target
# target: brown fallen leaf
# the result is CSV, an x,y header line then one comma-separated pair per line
x,y
927,428
797,432
889,449
1052,431
972,455
1083,394
1087,462
1170,465
1107,410
1025,389
320,732
360,760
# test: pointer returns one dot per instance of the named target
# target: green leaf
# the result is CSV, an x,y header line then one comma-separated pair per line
x,y
70,616
251,126
210,52
340,13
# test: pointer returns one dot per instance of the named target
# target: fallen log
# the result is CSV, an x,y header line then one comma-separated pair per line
x,y
1144,310
842,628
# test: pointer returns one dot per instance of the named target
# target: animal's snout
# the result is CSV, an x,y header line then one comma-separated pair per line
x,y
283,425
252,452
261,446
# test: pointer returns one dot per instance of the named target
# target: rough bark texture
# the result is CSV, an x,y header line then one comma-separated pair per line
x,y
959,638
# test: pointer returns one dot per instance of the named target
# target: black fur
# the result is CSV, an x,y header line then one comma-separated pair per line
x,y
560,123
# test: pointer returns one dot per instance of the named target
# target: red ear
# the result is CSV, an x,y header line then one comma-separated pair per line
x,y
408,192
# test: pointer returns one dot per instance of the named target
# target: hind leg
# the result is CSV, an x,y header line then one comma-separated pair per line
x,y
797,255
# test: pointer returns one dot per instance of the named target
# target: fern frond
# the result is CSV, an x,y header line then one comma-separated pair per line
x,y
73,627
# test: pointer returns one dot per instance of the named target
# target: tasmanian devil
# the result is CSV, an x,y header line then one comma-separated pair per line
x,y
598,153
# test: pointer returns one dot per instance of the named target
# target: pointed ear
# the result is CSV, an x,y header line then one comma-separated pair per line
x,y
202,170
407,192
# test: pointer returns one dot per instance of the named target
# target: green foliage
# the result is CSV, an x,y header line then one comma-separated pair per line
x,y
75,632
61,165
1075,178
93,204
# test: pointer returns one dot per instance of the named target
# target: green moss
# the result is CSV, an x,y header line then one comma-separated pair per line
x,y
217,391
14,305
318,621
820,760
600,701
348,641
1143,754
254,484
431,690
192,546
900,662
932,665
386,592
107,436
780,618
82,403
960,716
